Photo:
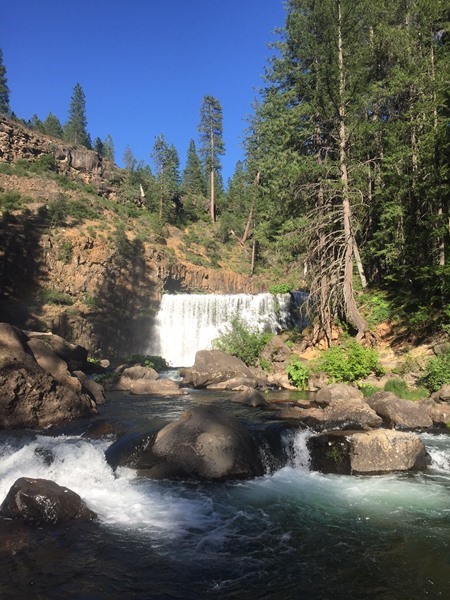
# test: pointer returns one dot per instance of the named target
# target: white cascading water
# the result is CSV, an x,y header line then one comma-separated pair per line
x,y
187,323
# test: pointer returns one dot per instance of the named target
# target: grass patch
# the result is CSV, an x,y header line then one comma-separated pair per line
x,y
400,389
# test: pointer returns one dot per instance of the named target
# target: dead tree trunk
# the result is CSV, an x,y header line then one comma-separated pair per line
x,y
350,307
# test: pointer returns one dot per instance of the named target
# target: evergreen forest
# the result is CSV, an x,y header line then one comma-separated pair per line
x,y
344,187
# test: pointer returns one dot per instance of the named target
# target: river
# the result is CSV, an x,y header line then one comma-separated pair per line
x,y
291,534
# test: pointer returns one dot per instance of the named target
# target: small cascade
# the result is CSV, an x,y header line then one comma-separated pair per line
x,y
187,323
297,450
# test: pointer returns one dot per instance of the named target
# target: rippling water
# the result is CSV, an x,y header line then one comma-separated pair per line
x,y
288,534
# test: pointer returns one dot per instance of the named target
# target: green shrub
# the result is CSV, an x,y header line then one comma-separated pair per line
x,y
242,341
90,301
52,296
377,307
58,211
10,200
368,389
349,362
400,389
43,164
280,288
437,372
298,373
65,252
154,362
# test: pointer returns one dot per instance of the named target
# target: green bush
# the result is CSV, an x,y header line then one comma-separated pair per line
x,y
437,372
52,296
349,362
368,389
242,341
280,288
10,200
154,362
298,373
377,307
65,252
58,211
43,164
400,389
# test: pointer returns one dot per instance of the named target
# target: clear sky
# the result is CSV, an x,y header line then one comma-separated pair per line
x,y
144,65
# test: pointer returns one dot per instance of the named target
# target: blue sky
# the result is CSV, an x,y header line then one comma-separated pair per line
x,y
144,66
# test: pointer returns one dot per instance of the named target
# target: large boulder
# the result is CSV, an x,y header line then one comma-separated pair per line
x,y
235,384
30,396
73,355
439,412
443,394
43,501
338,391
205,443
399,413
94,389
144,380
371,452
214,366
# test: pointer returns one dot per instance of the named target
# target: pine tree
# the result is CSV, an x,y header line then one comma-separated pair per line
x,y
75,131
108,148
4,90
129,159
167,164
52,126
212,145
193,180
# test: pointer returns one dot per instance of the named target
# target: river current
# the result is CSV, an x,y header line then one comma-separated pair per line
x,y
291,534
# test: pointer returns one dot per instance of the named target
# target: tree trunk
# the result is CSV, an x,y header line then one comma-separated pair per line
x,y
212,204
350,308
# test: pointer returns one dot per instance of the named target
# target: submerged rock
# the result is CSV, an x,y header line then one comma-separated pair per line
x,y
43,501
371,452
251,397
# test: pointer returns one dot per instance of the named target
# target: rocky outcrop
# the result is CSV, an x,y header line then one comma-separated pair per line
x,y
18,142
399,413
372,452
212,367
43,502
205,443
30,395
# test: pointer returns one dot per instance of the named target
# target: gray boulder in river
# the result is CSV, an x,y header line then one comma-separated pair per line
x,y
205,443
370,452
43,501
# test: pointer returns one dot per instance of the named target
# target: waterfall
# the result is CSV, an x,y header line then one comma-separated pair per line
x,y
187,323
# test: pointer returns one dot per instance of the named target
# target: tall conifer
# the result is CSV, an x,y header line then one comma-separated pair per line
x,y
4,90
75,130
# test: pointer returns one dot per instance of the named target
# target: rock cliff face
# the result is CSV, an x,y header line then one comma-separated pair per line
x,y
20,143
